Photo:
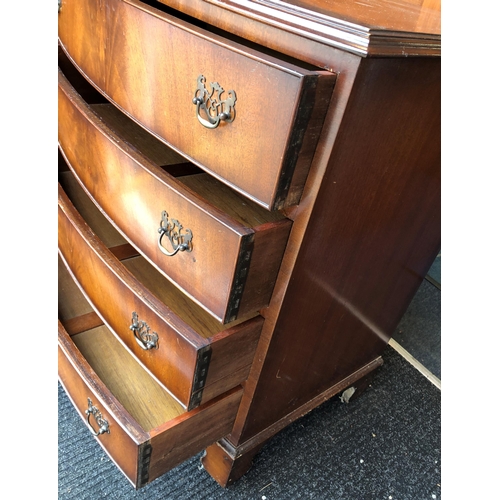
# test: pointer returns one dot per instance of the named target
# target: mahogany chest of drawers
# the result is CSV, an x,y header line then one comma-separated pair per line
x,y
249,198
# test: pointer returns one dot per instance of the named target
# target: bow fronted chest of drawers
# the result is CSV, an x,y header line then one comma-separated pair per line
x,y
249,198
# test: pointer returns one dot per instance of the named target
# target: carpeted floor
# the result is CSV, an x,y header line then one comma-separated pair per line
x,y
419,331
384,445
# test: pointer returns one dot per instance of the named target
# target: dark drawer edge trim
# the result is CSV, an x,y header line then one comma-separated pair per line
x,y
144,458
304,112
240,277
200,376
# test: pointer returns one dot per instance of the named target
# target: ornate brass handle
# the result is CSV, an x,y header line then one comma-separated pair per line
x,y
101,422
143,336
179,241
210,104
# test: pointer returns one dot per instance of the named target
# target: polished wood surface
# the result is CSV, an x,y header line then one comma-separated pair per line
x,y
225,465
138,410
263,35
115,293
353,292
180,439
366,215
150,433
410,16
226,462
146,401
105,280
280,100
223,270
398,28
232,345
70,302
80,382
82,323
415,16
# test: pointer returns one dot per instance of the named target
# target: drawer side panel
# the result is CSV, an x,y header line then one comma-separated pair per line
x,y
192,432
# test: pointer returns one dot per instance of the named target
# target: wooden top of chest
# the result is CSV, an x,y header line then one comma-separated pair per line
x,y
397,28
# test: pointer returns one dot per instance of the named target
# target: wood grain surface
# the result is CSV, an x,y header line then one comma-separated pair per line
x,y
221,271
117,43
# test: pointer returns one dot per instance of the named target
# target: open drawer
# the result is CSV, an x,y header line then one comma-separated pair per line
x,y
250,118
186,350
221,249
143,429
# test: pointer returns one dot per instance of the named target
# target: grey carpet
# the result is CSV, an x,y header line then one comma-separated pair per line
x,y
384,445
435,269
419,331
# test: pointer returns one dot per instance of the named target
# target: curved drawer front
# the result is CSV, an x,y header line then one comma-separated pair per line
x,y
153,65
192,367
227,267
145,437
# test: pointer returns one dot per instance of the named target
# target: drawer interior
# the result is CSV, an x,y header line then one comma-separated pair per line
x,y
162,6
264,155
203,185
191,313
143,398
134,179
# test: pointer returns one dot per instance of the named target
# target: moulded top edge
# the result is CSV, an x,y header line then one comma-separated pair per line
x,y
365,27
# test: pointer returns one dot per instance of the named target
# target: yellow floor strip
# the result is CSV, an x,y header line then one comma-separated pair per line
x,y
414,362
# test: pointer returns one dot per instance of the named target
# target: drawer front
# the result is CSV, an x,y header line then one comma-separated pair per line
x,y
164,73
125,438
141,454
188,365
227,268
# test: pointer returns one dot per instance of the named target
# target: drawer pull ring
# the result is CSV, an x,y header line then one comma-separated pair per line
x,y
143,335
211,106
173,229
101,422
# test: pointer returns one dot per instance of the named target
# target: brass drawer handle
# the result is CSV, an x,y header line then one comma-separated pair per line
x,y
210,104
101,422
173,229
144,337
